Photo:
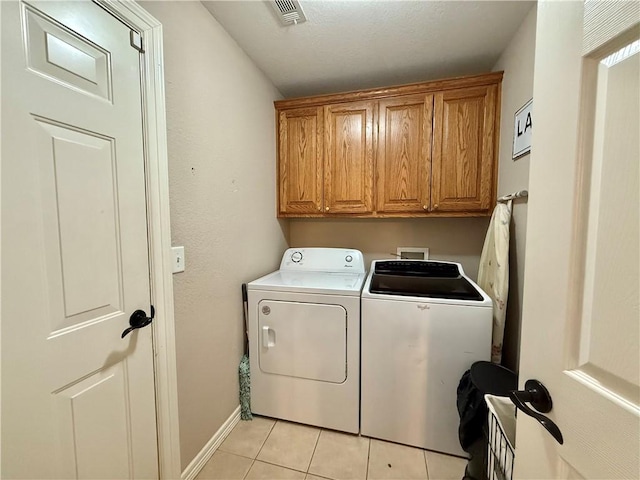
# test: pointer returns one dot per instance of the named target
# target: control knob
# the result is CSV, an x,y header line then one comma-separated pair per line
x,y
296,257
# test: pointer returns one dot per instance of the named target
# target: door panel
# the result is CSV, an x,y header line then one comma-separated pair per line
x,y
584,212
303,340
87,281
64,56
75,256
93,421
404,154
611,266
349,158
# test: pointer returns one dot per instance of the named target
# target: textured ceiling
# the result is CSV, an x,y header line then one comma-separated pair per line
x,y
349,45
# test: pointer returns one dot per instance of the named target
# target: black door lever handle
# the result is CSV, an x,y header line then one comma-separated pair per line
x,y
538,395
139,319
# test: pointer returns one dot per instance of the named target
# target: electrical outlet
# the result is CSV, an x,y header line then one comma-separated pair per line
x,y
178,259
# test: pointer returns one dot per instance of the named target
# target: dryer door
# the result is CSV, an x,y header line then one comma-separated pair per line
x,y
303,340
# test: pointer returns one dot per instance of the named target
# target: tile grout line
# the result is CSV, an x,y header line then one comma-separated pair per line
x,y
366,476
284,466
254,459
426,463
265,439
250,467
314,451
278,465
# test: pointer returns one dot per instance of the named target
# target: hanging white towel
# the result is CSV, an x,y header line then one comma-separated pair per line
x,y
493,275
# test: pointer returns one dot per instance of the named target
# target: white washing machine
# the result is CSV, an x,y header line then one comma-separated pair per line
x,y
423,324
304,338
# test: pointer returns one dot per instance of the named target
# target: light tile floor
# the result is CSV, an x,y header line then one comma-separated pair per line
x,y
274,449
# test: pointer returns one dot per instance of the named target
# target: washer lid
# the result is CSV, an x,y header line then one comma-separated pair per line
x,y
327,283
420,281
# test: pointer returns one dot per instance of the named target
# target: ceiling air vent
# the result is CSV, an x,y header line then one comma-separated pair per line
x,y
289,11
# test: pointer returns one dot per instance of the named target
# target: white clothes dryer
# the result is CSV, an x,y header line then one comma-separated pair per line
x,y
423,324
304,338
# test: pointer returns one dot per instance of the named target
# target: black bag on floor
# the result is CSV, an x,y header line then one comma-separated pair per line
x,y
472,410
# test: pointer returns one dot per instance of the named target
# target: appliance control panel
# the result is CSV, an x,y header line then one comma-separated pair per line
x,y
316,259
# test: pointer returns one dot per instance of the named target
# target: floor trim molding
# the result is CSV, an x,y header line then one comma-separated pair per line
x,y
212,445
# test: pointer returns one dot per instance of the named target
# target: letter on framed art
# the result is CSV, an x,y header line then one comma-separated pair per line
x,y
522,128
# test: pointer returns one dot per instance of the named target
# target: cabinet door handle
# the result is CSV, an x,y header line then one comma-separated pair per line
x,y
326,209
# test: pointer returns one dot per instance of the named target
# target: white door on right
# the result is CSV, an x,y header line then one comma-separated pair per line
x,y
581,324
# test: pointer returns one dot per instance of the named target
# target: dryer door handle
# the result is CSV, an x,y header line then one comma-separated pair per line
x,y
265,337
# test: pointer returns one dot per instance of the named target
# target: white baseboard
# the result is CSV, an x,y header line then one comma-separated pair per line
x,y
212,445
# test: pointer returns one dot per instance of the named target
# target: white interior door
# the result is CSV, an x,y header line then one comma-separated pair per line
x,y
77,399
580,327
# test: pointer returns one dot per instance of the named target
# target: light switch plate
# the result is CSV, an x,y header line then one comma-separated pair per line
x,y
178,259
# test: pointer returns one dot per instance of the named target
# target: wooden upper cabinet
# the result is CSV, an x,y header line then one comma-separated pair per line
x,y
300,165
424,149
348,158
464,157
404,154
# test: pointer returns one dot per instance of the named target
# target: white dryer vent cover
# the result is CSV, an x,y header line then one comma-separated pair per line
x,y
288,11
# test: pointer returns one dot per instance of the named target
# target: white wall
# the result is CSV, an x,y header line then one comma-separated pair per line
x,y
221,139
517,89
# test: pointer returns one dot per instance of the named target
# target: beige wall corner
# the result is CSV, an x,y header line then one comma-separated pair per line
x,y
221,141
517,61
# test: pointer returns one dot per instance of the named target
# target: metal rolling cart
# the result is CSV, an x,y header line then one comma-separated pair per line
x,y
500,437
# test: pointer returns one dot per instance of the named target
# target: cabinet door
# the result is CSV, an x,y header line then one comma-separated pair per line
x,y
404,154
348,158
300,166
464,150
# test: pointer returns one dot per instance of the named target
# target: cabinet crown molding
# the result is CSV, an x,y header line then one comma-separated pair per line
x,y
431,86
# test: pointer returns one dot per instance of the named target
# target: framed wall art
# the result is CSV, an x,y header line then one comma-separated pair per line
x,y
523,125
